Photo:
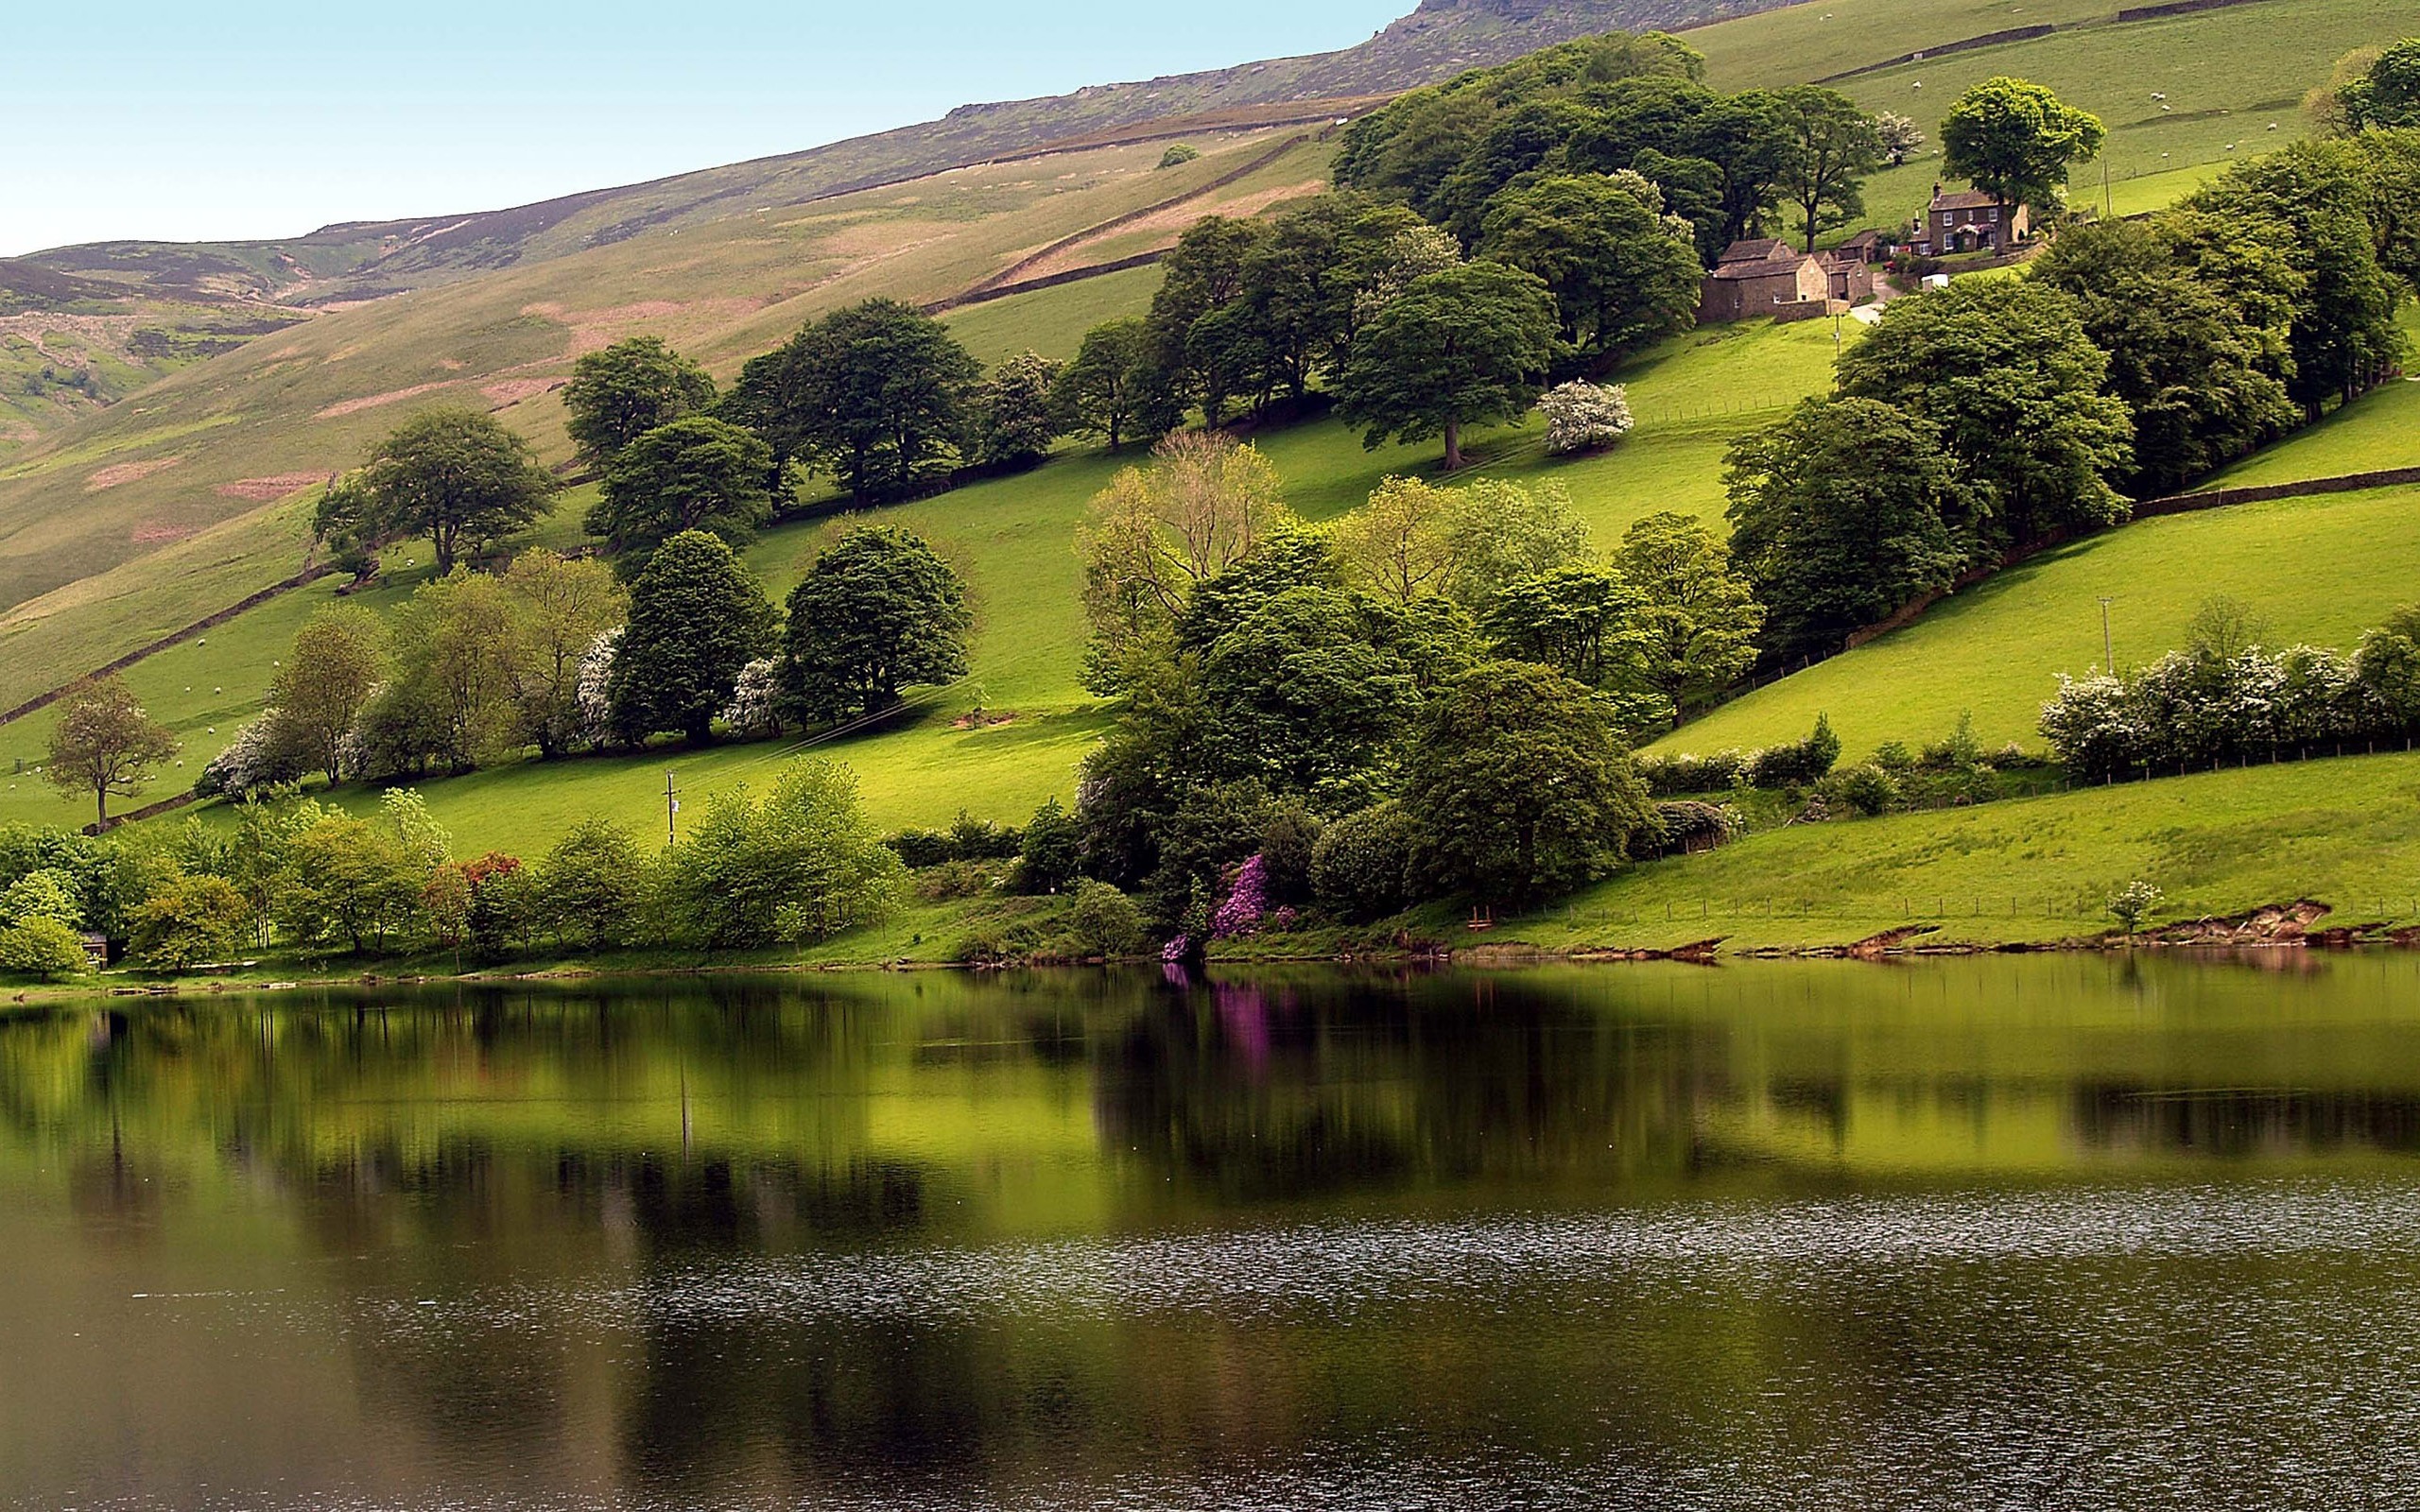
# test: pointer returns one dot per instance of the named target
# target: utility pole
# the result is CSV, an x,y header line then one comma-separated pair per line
x,y
2108,649
672,809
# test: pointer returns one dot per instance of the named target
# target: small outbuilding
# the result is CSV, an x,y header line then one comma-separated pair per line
x,y
1763,276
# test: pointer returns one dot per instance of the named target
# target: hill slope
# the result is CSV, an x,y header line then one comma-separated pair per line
x,y
354,261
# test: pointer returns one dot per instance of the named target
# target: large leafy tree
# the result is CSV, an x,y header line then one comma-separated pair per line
x,y
335,666
2190,367
1116,387
879,394
1308,693
2388,94
2004,369
695,474
1463,347
104,744
1833,147
1520,786
2314,201
697,617
1156,534
560,607
452,698
1619,272
2016,141
1582,621
453,475
619,394
878,613
1841,515
1696,618
1017,413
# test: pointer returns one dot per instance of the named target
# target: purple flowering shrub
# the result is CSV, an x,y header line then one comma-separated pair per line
x,y
1247,901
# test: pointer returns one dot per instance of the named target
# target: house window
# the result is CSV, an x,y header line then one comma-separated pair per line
x,y
1994,216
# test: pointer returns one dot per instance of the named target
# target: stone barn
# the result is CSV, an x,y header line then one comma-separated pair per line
x,y
1764,277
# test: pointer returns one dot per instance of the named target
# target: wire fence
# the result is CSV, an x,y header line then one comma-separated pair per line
x,y
2086,905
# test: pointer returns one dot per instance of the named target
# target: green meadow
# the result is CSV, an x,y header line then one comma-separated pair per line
x,y
2344,832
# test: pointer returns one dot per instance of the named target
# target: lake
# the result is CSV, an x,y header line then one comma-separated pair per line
x,y
2016,1232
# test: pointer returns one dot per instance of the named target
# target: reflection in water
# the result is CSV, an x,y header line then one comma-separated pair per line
x,y
2034,1232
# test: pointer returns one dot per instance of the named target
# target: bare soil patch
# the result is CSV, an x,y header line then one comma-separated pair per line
x,y
395,396
111,477
152,533
510,391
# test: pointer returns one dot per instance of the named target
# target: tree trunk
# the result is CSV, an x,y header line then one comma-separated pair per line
x,y
1453,445
101,804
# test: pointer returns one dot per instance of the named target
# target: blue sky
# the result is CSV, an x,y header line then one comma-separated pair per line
x,y
192,122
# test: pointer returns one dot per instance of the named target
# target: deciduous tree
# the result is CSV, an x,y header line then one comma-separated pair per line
x,y
694,473
1519,787
1464,347
697,617
1833,147
104,744
877,612
1841,515
2016,141
335,666
1696,618
456,476
619,394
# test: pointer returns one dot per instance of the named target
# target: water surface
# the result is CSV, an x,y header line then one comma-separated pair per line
x,y
1977,1233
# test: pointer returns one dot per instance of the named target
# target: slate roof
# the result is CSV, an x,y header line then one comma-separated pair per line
x,y
1963,200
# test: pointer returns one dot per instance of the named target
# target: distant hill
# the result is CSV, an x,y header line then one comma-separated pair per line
x,y
362,260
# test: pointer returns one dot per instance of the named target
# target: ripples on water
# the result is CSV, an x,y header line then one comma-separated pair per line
x,y
2187,1347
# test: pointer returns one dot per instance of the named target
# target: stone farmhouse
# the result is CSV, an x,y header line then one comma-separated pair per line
x,y
1764,277
1969,220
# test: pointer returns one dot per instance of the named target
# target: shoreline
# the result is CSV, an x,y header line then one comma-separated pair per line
x,y
2273,927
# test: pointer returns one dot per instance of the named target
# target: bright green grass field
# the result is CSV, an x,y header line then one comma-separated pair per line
x,y
2345,833
2318,570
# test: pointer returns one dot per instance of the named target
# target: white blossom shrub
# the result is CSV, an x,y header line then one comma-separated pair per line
x,y
592,693
755,711
1582,416
255,759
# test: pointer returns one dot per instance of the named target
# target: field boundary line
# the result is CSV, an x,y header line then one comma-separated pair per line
x,y
990,288
177,637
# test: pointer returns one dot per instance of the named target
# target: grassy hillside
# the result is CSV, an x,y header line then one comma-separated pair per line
x,y
2345,833
2234,80
2319,570
232,436
1014,541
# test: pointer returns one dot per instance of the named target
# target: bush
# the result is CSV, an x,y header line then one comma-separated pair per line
x,y
797,867
1106,922
1361,867
1687,825
973,839
1958,753
1674,776
191,920
49,893
754,711
43,947
589,888
1582,416
1865,789
1052,854
2193,709
1800,764
1179,155
955,880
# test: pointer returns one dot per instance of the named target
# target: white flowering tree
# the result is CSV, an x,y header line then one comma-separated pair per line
x,y
1582,416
